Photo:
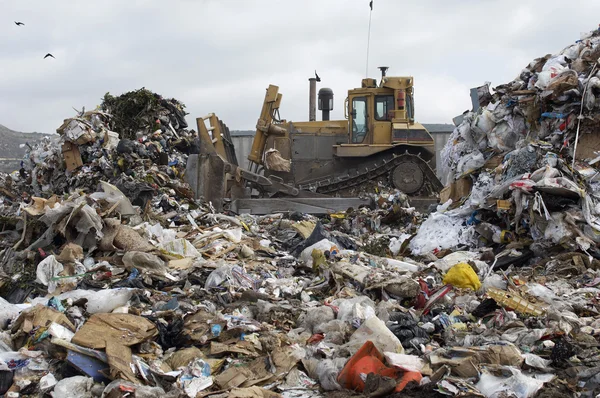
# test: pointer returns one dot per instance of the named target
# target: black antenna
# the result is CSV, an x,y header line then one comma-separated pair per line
x,y
369,38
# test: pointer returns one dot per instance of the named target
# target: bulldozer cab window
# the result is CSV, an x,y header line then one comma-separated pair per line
x,y
384,104
360,126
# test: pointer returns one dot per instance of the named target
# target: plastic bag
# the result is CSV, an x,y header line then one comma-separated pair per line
x,y
495,281
463,276
113,195
442,231
60,332
518,384
449,261
144,261
229,275
317,318
327,371
375,330
47,382
101,301
306,255
470,162
163,235
398,265
409,363
47,270
396,243
179,247
73,387
482,187
484,123
557,228
8,311
502,137
355,310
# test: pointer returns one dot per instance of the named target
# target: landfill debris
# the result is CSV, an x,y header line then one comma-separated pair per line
x,y
115,281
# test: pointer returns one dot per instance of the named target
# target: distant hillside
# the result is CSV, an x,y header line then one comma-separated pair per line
x,y
10,151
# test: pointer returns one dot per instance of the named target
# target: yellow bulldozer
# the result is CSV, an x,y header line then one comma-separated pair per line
x,y
321,166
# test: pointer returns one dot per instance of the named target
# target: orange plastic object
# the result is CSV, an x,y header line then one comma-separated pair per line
x,y
367,360
407,378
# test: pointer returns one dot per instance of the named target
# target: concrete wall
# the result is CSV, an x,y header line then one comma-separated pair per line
x,y
243,141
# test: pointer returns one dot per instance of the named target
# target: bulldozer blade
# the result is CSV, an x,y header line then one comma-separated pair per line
x,y
206,175
316,206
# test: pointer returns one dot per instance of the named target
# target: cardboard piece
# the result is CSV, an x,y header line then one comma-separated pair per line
x,y
76,131
40,316
70,253
181,264
499,354
587,146
122,329
72,156
120,360
253,392
196,327
304,228
183,357
456,190
38,207
465,362
233,377
240,347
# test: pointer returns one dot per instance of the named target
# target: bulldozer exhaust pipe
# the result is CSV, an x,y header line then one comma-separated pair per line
x,y
312,99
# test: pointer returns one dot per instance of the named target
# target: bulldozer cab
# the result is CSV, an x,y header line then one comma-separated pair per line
x,y
373,110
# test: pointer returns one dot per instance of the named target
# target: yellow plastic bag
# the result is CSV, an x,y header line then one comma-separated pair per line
x,y
462,276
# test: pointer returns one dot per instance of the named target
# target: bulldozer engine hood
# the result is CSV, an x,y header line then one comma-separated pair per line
x,y
401,133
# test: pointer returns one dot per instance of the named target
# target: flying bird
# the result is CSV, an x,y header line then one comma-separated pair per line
x,y
19,23
317,76
49,55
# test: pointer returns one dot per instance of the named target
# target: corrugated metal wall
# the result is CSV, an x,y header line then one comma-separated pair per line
x,y
440,140
243,144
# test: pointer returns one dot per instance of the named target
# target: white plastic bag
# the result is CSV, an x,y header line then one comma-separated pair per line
x,y
8,311
354,310
306,255
48,269
557,229
114,196
101,301
396,243
408,363
179,247
484,123
442,231
73,387
375,330
518,384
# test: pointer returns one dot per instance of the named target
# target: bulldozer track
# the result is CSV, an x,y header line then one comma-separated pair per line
x,y
381,167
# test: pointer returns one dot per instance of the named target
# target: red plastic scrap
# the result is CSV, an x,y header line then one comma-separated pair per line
x,y
315,338
126,388
423,295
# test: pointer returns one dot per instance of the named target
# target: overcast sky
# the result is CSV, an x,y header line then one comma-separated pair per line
x,y
220,55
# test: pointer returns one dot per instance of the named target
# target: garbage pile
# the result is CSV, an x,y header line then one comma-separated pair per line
x,y
135,138
108,289
521,171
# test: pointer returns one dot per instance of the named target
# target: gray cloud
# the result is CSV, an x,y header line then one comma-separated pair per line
x,y
220,55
